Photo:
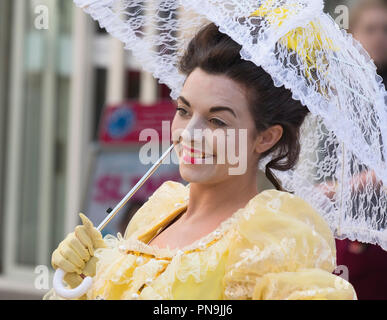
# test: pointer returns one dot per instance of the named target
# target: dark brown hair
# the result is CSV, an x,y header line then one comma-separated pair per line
x,y
216,53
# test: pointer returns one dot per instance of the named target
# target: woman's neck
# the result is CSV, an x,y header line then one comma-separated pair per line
x,y
220,200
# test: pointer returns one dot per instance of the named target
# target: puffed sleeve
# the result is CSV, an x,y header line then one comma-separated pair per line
x,y
161,202
303,284
283,249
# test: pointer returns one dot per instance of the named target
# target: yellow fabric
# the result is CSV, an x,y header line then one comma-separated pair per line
x,y
74,252
277,247
308,42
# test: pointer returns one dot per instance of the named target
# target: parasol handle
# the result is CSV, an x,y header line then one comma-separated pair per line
x,y
85,285
62,291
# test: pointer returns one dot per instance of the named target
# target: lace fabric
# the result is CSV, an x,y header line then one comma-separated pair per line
x,y
276,247
342,171
165,265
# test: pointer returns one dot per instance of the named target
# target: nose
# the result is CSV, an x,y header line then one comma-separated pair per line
x,y
194,132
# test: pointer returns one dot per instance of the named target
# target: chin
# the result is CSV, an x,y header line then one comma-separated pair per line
x,y
204,174
193,175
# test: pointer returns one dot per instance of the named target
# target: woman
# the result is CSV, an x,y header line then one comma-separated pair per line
x,y
217,238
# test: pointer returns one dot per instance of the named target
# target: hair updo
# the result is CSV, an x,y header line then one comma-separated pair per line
x,y
216,53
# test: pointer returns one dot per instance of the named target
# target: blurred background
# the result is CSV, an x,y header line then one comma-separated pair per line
x,y
72,103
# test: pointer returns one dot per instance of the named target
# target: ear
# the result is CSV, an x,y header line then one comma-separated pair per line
x,y
268,138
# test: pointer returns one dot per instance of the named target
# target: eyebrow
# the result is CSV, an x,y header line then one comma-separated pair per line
x,y
213,109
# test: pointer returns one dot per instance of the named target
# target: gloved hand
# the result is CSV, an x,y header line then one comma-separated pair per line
x,y
73,279
75,254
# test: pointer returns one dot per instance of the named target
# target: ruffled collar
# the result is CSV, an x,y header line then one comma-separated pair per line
x,y
140,243
140,240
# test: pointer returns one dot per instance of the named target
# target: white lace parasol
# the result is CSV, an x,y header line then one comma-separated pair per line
x,y
342,169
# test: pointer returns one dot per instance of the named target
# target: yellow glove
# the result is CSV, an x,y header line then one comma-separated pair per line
x,y
75,254
73,279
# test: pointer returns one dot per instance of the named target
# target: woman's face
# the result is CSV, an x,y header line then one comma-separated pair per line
x,y
371,30
216,128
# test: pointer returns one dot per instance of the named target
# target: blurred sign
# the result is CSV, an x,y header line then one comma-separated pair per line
x,y
114,174
123,123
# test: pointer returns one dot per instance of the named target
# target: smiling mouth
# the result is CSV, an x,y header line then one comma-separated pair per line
x,y
190,152
195,155
191,155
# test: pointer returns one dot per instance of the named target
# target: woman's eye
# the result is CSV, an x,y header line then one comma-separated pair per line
x,y
181,111
218,122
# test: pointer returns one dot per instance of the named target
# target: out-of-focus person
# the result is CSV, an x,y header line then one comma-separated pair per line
x,y
367,264
368,24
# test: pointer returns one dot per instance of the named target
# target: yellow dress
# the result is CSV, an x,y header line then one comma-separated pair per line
x,y
276,247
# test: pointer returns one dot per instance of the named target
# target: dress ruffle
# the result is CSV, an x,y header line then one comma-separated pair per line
x,y
276,241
